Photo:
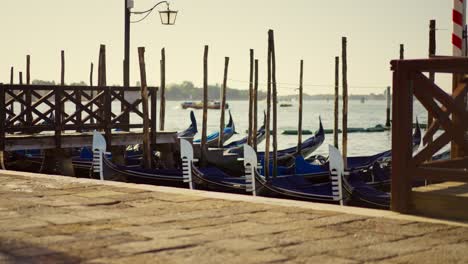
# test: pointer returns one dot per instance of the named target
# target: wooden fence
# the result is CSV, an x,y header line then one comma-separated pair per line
x,y
450,113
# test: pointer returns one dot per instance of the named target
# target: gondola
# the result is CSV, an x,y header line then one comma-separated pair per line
x,y
290,186
236,146
213,139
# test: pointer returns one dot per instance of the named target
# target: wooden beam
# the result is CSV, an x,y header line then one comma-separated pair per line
x,y
431,149
223,103
162,110
389,103
205,106
28,96
437,65
144,96
344,147
402,51
432,52
299,125
457,95
255,106
402,139
266,165
92,90
275,103
337,101
441,174
250,132
453,164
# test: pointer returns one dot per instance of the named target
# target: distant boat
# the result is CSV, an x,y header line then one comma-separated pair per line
x,y
199,105
286,105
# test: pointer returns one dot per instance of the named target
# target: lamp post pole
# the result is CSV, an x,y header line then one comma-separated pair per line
x,y
126,78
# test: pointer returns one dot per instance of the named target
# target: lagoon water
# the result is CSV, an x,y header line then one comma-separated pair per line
x,y
365,115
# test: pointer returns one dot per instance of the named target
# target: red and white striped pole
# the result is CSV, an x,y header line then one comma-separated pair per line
x,y
459,21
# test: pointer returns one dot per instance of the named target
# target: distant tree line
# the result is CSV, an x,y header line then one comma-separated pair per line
x,y
187,91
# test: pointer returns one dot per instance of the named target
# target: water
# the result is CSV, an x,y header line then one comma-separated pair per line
x,y
365,115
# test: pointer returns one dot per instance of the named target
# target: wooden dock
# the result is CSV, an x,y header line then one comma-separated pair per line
x,y
442,200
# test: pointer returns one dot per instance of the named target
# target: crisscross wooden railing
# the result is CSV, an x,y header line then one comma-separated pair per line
x,y
29,109
450,114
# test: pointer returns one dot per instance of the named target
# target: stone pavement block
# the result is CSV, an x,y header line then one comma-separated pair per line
x,y
454,253
12,224
239,244
100,193
152,245
323,246
455,235
60,219
406,246
336,219
99,214
158,233
362,254
324,259
299,236
149,258
8,214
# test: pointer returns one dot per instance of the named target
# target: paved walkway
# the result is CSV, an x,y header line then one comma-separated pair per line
x,y
46,219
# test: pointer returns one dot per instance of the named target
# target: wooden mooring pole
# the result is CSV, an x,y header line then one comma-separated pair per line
x,y
337,101
275,104
255,107
21,83
223,103
144,96
432,52
251,75
299,125
92,90
205,106
12,78
266,165
389,102
162,110
345,102
402,51
28,94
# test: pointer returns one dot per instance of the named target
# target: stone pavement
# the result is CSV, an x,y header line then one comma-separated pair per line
x,y
47,219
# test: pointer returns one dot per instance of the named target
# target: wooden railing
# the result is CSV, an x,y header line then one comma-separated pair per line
x,y
450,113
29,109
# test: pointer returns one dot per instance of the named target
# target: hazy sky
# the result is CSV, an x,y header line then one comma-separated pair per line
x,y
304,29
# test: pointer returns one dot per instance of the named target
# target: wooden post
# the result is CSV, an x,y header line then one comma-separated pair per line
x,y
432,52
162,110
3,115
299,126
389,101
154,108
28,94
401,143
223,103
255,107
102,78
12,79
205,106
337,100
92,90
402,52
62,82
12,72
266,165
144,97
345,102
275,101
21,83
251,73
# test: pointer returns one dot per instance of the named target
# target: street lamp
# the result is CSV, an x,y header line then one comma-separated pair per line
x,y
167,16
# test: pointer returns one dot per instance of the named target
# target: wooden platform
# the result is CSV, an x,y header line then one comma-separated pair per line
x,y
76,140
443,200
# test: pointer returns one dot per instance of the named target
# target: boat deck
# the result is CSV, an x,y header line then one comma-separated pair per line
x,y
55,219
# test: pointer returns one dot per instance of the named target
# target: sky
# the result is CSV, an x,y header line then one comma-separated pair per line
x,y
304,29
